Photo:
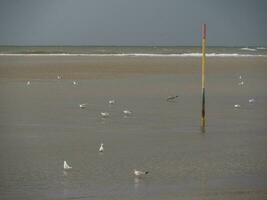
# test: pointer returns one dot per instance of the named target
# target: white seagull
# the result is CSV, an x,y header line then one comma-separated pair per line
x,y
28,82
240,77
241,83
66,166
83,105
140,173
127,112
237,106
101,149
104,114
111,101
251,100
58,77
75,83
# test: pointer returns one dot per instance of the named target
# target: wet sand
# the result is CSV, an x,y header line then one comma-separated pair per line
x,y
41,125
84,67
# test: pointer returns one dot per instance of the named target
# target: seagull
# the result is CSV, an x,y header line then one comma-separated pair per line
x,y
127,112
75,83
251,100
83,105
170,98
240,77
104,114
111,101
101,149
28,82
241,83
139,173
66,166
237,106
58,77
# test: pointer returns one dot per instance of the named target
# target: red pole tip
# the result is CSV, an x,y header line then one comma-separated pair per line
x,y
204,31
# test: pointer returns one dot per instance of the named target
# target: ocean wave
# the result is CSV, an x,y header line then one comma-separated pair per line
x,y
261,48
144,55
248,49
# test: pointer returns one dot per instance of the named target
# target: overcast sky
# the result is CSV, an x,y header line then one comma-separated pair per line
x,y
132,22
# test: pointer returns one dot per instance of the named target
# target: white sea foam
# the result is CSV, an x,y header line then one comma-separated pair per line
x,y
261,48
145,55
248,49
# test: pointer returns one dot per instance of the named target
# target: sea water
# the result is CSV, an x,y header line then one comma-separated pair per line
x,y
132,51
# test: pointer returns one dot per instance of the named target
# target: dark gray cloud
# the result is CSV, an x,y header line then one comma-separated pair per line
x,y
132,22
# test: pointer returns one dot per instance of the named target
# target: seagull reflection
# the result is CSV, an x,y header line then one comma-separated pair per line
x,y
136,182
65,173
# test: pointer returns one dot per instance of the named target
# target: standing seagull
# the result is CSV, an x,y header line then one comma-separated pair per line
x,y
104,114
66,166
237,106
127,112
75,83
139,173
28,83
101,149
251,100
241,83
83,105
111,101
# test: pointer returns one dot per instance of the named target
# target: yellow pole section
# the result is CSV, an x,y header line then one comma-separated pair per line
x,y
203,73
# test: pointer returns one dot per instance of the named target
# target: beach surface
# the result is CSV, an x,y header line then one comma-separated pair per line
x,y
95,67
41,125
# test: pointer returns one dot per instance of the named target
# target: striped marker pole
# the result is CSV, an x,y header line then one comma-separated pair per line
x,y
204,31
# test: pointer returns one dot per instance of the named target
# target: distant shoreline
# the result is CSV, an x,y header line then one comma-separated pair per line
x,y
139,55
132,51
